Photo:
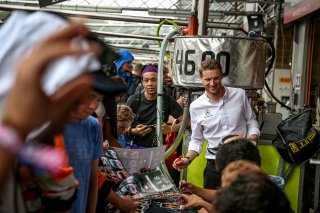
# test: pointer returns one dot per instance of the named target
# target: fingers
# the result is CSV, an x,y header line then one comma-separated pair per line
x,y
58,45
73,29
186,187
145,131
180,163
186,199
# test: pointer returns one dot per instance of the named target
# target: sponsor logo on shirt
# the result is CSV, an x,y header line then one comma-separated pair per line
x,y
207,113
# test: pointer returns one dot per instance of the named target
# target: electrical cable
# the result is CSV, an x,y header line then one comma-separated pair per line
x,y
169,56
273,56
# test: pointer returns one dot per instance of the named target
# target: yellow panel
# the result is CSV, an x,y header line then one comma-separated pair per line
x,y
195,170
270,161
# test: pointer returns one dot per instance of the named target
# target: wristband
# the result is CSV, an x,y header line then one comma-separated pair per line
x,y
43,158
9,138
189,160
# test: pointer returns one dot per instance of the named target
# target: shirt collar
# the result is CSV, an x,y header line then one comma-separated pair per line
x,y
224,97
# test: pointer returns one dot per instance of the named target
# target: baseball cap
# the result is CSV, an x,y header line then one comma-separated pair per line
x,y
108,55
106,85
103,83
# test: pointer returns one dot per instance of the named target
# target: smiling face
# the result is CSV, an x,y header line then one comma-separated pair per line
x,y
88,104
212,82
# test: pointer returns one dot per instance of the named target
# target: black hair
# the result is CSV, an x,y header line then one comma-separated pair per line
x,y
227,137
240,149
252,192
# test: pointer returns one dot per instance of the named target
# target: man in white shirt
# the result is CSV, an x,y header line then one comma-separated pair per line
x,y
219,112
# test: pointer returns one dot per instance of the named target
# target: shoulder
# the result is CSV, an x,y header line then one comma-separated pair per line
x,y
131,99
236,92
92,121
234,89
198,102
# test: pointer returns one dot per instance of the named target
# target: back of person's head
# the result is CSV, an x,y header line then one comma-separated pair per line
x,y
252,192
124,113
238,149
137,69
236,168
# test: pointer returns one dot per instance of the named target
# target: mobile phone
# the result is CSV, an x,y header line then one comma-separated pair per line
x,y
153,126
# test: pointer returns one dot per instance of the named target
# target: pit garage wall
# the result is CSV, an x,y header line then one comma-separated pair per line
x,y
299,62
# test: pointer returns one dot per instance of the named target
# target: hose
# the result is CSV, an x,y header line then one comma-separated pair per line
x,y
158,32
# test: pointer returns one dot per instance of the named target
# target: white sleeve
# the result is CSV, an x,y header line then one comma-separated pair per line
x,y
197,138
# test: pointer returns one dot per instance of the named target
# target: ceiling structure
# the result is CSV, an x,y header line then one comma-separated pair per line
x,y
133,24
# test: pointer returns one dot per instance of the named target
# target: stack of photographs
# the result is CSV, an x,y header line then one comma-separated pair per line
x,y
146,184
111,167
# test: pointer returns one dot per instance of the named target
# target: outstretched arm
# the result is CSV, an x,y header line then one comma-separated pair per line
x,y
26,96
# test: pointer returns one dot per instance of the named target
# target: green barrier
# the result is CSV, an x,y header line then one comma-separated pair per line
x,y
195,170
270,160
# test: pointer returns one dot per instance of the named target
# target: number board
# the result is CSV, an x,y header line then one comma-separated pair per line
x,y
243,60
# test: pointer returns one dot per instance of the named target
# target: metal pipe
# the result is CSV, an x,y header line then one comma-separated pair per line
x,y
218,26
111,17
203,10
134,49
194,8
93,15
163,48
249,1
125,35
275,42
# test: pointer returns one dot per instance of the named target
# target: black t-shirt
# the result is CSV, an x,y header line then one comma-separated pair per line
x,y
110,105
103,194
146,113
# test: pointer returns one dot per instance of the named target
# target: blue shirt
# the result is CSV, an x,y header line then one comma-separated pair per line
x,y
122,141
83,144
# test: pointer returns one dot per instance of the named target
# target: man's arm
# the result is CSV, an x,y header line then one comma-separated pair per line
x,y
181,163
93,187
206,194
125,204
19,109
197,203
113,142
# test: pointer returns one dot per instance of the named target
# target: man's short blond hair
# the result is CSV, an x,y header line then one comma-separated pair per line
x,y
210,64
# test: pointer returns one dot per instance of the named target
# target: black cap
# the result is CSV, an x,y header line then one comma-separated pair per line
x,y
108,55
106,85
